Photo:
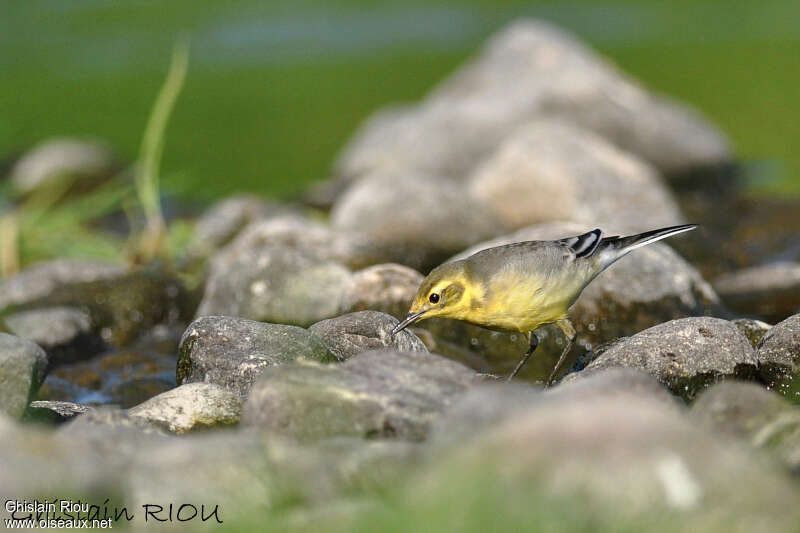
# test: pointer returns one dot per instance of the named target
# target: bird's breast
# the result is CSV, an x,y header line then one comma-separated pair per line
x,y
520,304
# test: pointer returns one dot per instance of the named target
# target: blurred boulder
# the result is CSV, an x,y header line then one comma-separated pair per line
x,y
608,463
77,162
191,407
233,352
275,283
414,219
686,355
22,368
41,279
353,333
304,234
771,291
550,170
779,354
220,223
531,68
373,394
122,305
490,405
526,71
65,333
389,288
233,474
748,411
445,139
650,286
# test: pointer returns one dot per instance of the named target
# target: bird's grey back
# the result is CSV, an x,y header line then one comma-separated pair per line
x,y
546,258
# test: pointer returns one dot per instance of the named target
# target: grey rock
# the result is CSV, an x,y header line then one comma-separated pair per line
x,y
39,280
779,353
22,368
550,170
65,333
753,329
771,291
413,218
233,352
190,407
750,412
353,333
305,234
54,411
223,221
389,288
46,165
641,464
686,355
374,394
527,71
275,284
650,286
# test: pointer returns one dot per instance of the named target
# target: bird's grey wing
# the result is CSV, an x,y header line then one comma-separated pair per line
x,y
544,257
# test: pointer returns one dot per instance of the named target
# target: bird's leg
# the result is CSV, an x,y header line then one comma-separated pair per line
x,y
534,342
569,335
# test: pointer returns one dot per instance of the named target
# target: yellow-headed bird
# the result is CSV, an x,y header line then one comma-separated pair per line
x,y
522,286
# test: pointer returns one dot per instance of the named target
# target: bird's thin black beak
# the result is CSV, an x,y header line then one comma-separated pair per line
x,y
408,320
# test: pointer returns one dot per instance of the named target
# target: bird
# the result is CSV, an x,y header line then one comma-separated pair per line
x,y
522,286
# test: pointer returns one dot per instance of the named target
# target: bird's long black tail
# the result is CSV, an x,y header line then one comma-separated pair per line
x,y
614,248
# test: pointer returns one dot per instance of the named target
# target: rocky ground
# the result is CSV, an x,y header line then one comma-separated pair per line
x,y
275,394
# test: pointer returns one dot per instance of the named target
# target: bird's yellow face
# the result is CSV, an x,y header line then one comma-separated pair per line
x,y
445,292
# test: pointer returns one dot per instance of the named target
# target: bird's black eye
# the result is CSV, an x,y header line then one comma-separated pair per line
x,y
434,298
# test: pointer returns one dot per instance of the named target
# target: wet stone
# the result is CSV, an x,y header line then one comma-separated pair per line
x,y
686,355
353,333
232,352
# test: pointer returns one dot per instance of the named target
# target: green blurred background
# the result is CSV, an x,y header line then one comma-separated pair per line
x,y
275,88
